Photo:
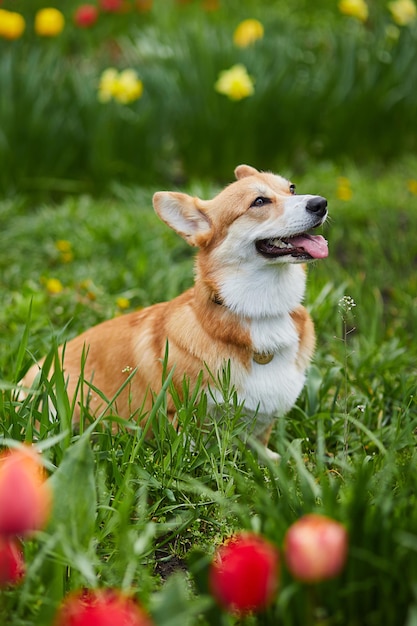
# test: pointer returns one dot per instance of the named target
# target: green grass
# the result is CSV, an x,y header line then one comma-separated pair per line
x,y
128,511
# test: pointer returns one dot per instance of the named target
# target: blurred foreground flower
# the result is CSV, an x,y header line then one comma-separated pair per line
x,y
315,548
247,32
49,22
86,15
25,497
122,86
354,8
244,574
403,11
105,607
12,25
12,565
235,83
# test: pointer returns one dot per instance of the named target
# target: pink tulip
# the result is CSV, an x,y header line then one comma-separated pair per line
x,y
315,548
12,565
244,574
25,497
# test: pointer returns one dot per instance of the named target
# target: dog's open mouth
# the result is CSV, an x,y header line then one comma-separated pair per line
x,y
303,246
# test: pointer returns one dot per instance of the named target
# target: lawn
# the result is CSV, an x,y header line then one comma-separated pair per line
x,y
145,516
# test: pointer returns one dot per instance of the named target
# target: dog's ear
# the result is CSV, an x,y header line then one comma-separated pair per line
x,y
245,170
182,213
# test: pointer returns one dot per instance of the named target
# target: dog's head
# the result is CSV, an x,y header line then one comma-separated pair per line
x,y
257,218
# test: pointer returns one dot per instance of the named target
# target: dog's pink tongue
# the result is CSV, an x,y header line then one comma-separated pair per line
x,y
314,245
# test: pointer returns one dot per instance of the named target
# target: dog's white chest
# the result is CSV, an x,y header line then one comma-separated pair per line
x,y
270,389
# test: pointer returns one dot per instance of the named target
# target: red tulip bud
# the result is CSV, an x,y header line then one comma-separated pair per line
x,y
12,565
25,497
244,574
103,607
315,548
86,15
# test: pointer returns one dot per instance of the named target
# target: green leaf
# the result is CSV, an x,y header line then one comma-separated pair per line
x,y
74,495
175,606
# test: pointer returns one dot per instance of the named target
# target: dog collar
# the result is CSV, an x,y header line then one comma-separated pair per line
x,y
263,358
216,299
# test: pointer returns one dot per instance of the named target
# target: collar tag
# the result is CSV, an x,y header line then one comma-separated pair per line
x,y
263,358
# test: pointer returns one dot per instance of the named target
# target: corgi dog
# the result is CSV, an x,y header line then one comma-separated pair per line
x,y
244,311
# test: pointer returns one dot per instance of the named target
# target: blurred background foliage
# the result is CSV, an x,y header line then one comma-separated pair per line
x,y
329,83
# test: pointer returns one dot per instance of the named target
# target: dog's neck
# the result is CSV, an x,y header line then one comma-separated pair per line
x,y
252,294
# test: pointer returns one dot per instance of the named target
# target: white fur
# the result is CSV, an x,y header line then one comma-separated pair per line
x,y
267,391
257,292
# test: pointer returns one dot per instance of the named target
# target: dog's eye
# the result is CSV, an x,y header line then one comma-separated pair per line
x,y
292,189
260,201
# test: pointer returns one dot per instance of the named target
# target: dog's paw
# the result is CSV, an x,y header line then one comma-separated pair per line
x,y
271,455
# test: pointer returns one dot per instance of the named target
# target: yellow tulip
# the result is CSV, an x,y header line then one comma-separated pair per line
x,y
106,85
125,86
354,8
12,25
247,32
403,11
128,87
49,22
235,83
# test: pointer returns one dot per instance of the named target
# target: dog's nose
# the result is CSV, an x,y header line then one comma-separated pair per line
x,y
317,205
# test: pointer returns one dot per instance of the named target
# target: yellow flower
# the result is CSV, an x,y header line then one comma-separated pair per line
x,y
49,22
247,32
235,83
12,25
354,8
344,191
65,249
128,87
403,11
107,81
123,86
412,186
63,245
54,285
123,303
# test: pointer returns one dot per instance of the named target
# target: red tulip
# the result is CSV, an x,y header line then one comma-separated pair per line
x,y
103,607
244,574
12,565
86,15
111,6
25,497
315,548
